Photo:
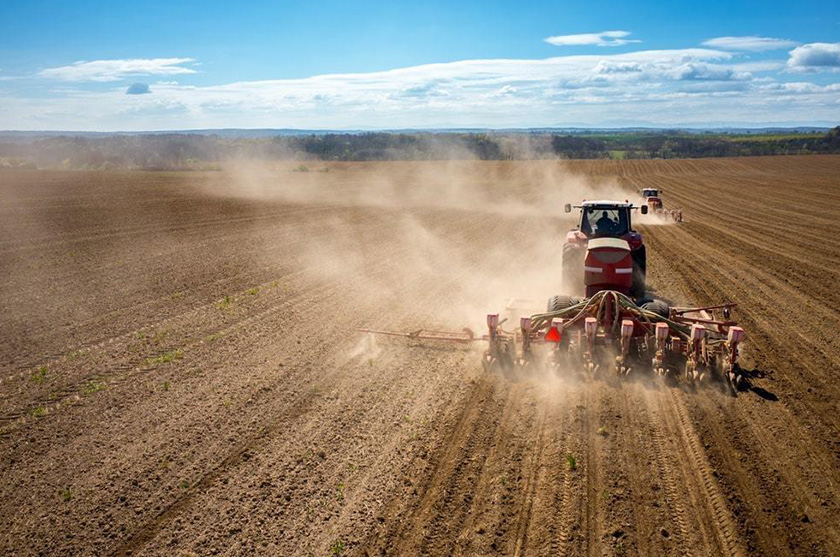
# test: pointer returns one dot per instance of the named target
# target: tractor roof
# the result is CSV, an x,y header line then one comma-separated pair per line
x,y
605,203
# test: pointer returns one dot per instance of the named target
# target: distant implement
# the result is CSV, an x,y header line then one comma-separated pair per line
x,y
653,200
610,324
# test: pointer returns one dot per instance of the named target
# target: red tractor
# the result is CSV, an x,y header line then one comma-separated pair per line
x,y
604,250
653,200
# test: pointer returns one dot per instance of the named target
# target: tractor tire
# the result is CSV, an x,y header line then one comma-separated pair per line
x,y
637,289
556,303
572,266
658,307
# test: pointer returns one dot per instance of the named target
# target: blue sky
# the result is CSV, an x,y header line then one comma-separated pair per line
x,y
367,65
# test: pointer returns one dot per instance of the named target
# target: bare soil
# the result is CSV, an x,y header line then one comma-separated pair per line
x,y
180,372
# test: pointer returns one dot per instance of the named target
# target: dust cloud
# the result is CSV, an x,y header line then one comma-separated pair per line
x,y
478,234
538,188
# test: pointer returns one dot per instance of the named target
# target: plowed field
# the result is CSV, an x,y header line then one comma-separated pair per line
x,y
180,372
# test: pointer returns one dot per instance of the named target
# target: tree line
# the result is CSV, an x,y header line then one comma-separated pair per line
x,y
194,151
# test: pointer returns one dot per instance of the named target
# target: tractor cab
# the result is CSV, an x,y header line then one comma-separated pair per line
x,y
600,222
650,192
605,219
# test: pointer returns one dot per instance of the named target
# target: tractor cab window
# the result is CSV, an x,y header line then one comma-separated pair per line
x,y
597,222
650,193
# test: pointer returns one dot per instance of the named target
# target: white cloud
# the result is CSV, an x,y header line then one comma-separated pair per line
x,y
694,71
814,57
604,38
750,43
115,70
662,87
606,67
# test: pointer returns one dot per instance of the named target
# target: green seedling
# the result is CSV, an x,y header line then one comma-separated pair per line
x,y
224,304
165,358
337,548
93,387
572,461
39,375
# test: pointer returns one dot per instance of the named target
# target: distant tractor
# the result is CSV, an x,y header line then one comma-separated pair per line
x,y
653,200
604,250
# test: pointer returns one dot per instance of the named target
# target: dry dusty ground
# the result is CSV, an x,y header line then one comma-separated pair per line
x,y
179,371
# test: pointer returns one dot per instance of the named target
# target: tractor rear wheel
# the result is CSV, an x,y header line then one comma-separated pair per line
x,y
572,266
637,289
556,303
657,306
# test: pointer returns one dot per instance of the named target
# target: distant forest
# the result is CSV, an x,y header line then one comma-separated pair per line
x,y
194,151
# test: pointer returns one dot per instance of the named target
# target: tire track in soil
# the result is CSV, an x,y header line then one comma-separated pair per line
x,y
593,519
530,487
701,515
552,502
724,531
567,501
636,507
673,483
508,514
